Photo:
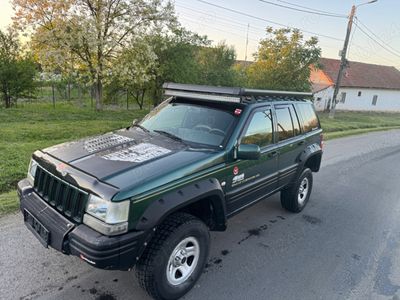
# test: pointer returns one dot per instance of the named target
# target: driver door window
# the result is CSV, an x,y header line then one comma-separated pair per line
x,y
259,131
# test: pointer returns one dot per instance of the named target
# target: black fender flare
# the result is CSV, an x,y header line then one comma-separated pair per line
x,y
310,151
168,203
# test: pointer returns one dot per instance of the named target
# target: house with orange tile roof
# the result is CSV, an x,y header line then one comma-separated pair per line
x,y
364,87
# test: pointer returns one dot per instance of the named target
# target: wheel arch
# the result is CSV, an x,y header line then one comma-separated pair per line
x,y
311,158
204,199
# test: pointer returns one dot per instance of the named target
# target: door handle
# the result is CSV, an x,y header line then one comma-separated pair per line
x,y
273,154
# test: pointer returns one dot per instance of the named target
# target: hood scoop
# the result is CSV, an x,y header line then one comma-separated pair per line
x,y
105,141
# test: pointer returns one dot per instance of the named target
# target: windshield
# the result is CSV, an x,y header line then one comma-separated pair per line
x,y
190,123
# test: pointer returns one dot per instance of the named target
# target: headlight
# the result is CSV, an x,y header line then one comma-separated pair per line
x,y
32,171
107,211
114,215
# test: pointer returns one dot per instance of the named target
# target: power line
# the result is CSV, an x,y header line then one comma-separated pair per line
x,y
218,29
377,42
192,17
254,29
313,9
268,21
303,10
377,37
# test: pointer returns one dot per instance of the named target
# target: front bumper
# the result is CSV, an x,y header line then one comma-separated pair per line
x,y
105,252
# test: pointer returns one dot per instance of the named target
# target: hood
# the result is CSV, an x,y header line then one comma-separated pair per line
x,y
130,158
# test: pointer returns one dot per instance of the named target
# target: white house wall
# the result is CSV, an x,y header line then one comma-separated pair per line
x,y
388,100
322,98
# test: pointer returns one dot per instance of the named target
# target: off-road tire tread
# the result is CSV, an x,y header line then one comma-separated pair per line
x,y
146,264
289,194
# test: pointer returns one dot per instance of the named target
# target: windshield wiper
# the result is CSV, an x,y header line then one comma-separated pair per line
x,y
141,127
170,135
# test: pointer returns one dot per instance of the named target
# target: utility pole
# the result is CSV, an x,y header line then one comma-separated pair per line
x,y
247,41
343,62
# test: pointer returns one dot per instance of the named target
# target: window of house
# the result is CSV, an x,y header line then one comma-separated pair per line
x,y
260,130
359,93
285,124
343,97
374,100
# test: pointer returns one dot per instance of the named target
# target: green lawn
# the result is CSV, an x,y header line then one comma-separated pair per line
x,y
24,130
351,123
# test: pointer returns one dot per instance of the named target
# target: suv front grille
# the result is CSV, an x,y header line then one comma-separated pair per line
x,y
66,198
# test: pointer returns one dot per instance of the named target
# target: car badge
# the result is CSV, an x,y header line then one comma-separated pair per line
x,y
61,168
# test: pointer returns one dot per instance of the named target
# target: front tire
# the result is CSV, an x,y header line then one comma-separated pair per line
x,y
175,257
295,197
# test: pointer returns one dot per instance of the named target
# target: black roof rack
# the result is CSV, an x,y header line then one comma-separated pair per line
x,y
230,94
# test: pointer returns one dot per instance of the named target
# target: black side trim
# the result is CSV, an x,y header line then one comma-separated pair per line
x,y
161,208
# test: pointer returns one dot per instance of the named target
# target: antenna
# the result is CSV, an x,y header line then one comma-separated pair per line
x,y
247,41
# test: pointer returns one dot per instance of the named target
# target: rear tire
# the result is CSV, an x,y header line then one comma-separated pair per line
x,y
175,257
295,197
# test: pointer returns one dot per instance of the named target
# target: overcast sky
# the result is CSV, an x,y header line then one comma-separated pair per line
x,y
382,18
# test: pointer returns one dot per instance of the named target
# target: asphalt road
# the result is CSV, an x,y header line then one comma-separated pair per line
x,y
344,245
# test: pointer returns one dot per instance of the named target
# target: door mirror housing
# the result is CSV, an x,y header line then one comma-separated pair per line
x,y
248,151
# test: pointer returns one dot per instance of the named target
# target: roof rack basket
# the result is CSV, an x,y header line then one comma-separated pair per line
x,y
230,94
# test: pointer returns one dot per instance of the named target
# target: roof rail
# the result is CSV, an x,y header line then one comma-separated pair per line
x,y
228,94
256,92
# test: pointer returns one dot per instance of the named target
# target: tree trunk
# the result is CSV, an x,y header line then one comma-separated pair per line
x,y
7,101
142,99
99,93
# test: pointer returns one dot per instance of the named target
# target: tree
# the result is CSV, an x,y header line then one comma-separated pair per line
x,y
283,61
135,69
93,31
17,71
216,65
176,53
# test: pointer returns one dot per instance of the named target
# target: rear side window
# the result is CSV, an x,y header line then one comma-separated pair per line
x,y
309,117
284,122
259,131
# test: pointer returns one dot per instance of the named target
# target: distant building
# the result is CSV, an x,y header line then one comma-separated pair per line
x,y
366,87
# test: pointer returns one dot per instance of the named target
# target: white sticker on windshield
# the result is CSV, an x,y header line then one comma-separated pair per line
x,y
138,153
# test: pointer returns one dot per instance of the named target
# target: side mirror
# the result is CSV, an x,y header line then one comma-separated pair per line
x,y
249,151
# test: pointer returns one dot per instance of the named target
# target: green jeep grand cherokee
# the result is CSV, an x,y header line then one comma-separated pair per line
x,y
148,195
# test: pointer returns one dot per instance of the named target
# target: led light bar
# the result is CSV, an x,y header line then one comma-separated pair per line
x,y
227,94
193,95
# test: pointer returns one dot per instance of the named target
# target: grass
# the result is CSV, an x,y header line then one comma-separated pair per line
x,y
351,123
26,129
